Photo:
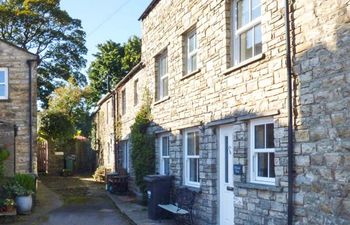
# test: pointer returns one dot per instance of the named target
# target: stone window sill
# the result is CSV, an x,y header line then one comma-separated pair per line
x,y
244,63
161,100
263,187
194,189
190,74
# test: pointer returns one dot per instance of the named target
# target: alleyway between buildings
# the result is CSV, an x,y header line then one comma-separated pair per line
x,y
73,201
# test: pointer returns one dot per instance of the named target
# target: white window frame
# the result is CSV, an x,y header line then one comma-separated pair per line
x,y
162,77
186,164
253,165
123,101
162,157
190,54
6,83
236,50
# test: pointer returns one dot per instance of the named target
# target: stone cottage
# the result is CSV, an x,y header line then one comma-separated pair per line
x,y
18,108
112,121
259,124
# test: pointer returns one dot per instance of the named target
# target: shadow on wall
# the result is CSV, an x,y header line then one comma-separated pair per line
x,y
206,205
322,154
7,141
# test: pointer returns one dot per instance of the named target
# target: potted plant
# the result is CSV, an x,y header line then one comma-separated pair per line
x,y
23,197
9,205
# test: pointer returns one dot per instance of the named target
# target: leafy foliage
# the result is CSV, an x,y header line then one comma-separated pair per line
x,y
14,189
66,115
142,155
56,126
26,180
43,28
113,61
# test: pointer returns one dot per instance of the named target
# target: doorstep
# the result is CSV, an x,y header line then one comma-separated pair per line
x,y
137,214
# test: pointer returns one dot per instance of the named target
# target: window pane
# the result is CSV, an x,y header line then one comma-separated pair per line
x,y
262,164
165,87
269,136
193,65
197,143
226,159
258,40
256,9
246,41
2,77
192,42
242,12
166,166
162,66
192,143
2,90
260,136
272,164
165,146
194,170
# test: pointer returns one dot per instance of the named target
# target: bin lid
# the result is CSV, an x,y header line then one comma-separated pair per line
x,y
157,177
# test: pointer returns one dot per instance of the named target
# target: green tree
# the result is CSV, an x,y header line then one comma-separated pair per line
x,y
112,62
42,27
67,113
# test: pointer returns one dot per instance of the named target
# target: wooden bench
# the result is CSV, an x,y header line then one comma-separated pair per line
x,y
182,205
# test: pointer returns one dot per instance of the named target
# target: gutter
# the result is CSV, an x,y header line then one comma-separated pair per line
x,y
290,118
30,125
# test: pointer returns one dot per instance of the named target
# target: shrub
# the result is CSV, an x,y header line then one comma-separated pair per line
x,y
99,174
14,189
142,154
27,181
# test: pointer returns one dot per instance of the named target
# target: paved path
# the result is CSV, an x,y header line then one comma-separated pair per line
x,y
84,203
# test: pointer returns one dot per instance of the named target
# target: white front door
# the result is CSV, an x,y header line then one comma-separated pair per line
x,y
226,175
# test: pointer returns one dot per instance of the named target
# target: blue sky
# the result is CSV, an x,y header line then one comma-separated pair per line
x,y
106,20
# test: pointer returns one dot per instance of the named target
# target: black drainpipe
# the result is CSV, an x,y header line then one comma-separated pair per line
x,y
290,117
14,147
29,63
114,128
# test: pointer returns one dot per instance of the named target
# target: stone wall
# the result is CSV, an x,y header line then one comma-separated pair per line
x,y
15,110
219,92
105,134
322,153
